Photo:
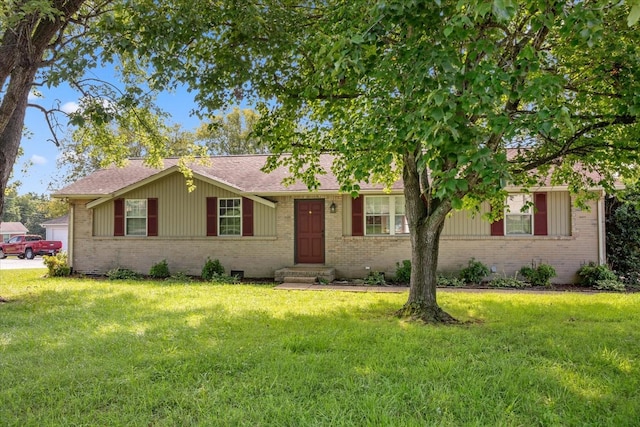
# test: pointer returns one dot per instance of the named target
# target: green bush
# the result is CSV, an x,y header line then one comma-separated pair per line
x,y
591,273
448,281
475,272
179,277
160,270
375,278
211,269
610,285
57,265
223,278
403,271
538,276
623,234
508,282
123,274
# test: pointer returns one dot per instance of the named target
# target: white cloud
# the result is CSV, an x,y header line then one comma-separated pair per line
x,y
38,160
70,107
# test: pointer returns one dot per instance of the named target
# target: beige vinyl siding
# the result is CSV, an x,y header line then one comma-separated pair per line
x,y
559,213
264,220
346,215
180,213
465,223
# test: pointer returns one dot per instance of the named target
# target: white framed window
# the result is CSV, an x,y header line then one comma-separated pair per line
x,y
385,215
135,217
230,217
518,216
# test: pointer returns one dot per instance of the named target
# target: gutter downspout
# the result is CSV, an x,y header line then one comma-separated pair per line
x,y
70,233
602,238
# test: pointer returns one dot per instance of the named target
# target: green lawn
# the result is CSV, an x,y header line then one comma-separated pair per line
x,y
85,352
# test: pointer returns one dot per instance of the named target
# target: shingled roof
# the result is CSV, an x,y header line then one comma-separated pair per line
x,y
242,173
13,228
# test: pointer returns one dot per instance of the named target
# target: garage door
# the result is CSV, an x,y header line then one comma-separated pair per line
x,y
60,234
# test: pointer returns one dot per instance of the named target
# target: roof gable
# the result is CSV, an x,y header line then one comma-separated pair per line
x,y
12,227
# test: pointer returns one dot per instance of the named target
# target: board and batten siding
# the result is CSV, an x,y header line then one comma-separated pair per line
x,y
180,213
464,223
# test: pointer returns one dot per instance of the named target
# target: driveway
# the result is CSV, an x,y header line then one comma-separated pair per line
x,y
14,263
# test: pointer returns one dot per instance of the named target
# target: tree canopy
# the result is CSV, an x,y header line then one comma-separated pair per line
x,y
232,133
433,92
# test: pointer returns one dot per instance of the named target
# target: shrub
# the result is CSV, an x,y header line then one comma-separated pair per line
x,y
212,268
447,281
538,276
403,271
508,282
591,273
179,277
58,264
374,278
160,270
223,278
475,272
123,274
610,285
623,234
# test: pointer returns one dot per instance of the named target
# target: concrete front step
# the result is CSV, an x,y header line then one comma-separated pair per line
x,y
305,274
295,279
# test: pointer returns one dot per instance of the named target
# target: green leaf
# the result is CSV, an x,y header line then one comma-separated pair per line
x,y
634,15
357,39
437,114
456,203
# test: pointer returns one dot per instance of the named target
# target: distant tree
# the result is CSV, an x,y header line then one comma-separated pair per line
x,y
231,134
32,210
87,149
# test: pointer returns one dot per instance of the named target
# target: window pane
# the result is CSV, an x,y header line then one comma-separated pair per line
x,y
230,217
518,224
136,226
402,226
136,208
399,204
377,224
377,205
229,226
517,202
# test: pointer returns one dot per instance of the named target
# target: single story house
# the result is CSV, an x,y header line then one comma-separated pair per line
x,y
58,229
12,229
136,216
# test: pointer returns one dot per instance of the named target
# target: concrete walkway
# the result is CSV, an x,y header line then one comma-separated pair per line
x,y
398,289
346,288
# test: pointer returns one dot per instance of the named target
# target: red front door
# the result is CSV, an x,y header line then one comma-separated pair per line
x,y
309,231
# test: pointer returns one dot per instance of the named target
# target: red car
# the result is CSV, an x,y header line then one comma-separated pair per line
x,y
28,246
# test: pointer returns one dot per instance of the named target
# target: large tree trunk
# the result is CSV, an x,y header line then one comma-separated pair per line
x,y
15,99
22,49
426,221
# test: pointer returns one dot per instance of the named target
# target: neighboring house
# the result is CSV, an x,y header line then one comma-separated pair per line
x,y
134,217
58,229
11,229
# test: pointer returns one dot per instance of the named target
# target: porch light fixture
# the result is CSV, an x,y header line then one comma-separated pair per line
x,y
332,208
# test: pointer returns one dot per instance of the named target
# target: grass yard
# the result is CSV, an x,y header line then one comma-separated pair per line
x,y
84,352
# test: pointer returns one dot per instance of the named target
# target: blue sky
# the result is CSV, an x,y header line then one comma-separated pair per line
x,y
42,153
